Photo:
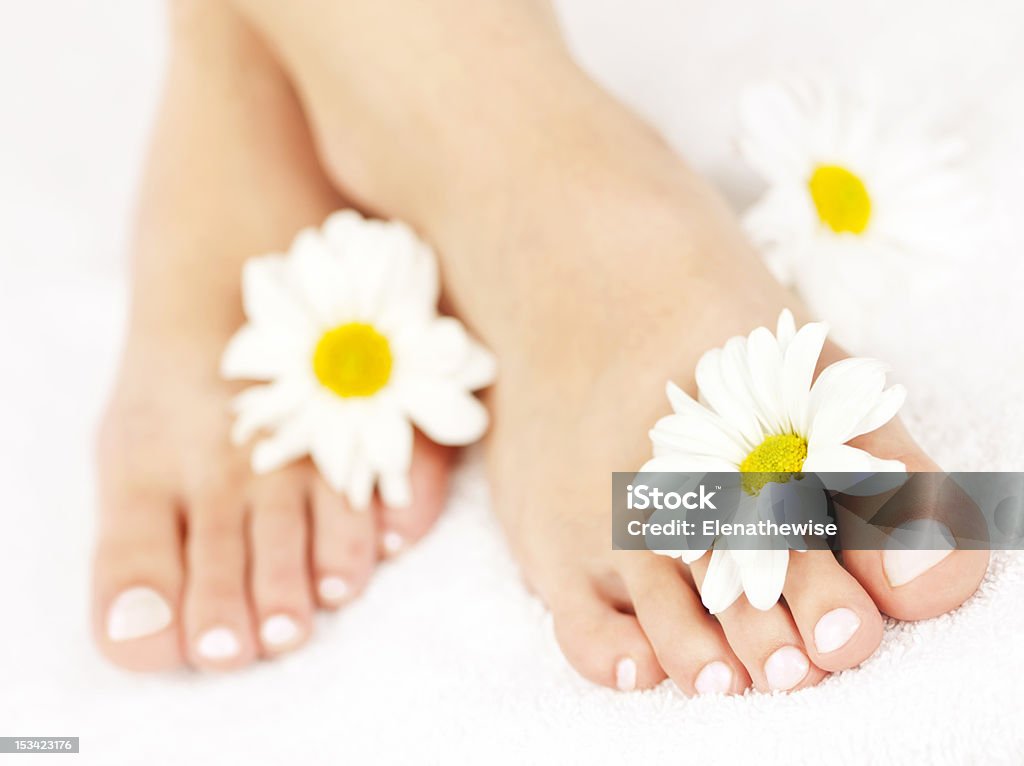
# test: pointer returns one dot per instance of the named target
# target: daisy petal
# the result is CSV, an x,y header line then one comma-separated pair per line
x,y
722,583
290,442
801,359
842,397
265,406
885,409
259,353
763,573
842,458
446,413
318,273
268,297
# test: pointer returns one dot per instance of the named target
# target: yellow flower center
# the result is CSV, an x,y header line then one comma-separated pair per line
x,y
841,198
775,460
353,360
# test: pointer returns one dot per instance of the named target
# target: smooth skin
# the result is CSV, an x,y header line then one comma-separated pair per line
x,y
586,255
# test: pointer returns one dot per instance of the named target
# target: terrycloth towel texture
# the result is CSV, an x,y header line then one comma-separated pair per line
x,y
447,659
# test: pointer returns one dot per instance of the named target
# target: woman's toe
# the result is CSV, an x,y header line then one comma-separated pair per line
x,y
218,623
768,642
137,583
916,585
404,520
839,623
689,643
913,584
344,546
604,645
279,571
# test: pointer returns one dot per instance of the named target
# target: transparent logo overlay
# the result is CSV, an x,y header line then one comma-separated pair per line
x,y
851,511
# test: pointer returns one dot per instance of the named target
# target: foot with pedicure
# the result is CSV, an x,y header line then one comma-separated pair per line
x,y
291,399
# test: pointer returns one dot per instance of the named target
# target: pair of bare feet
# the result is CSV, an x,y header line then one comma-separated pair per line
x,y
590,260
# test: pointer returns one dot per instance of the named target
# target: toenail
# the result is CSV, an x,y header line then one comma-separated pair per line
x,y
625,674
333,590
715,678
786,668
279,631
903,566
218,644
834,629
137,612
392,542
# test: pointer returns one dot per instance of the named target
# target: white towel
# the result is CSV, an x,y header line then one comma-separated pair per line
x,y
447,659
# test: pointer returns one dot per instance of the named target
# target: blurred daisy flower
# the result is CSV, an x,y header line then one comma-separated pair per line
x,y
344,330
858,204
760,414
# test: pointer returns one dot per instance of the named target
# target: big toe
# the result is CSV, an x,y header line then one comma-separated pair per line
x,y
137,582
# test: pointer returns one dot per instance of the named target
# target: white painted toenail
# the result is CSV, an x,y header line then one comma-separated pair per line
x,y
392,542
903,566
218,644
834,629
137,612
715,678
279,631
625,674
333,590
786,668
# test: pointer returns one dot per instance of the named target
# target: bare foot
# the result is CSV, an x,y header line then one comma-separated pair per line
x,y
198,561
597,267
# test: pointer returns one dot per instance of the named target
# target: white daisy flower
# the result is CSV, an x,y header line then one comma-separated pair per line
x,y
857,205
344,329
759,413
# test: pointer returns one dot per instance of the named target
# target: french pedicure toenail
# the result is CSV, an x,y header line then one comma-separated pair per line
x,y
786,668
392,542
136,613
218,644
834,629
625,674
279,631
333,590
714,678
929,543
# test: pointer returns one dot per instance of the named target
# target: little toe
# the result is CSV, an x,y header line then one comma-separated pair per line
x,y
344,546
767,642
281,592
604,645
405,518
218,622
840,624
689,643
137,582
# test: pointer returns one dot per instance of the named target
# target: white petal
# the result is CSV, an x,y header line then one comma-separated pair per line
x,y
720,392
695,435
842,458
267,406
360,484
387,438
269,297
765,361
261,353
722,583
763,573
842,396
786,329
443,349
334,445
290,442
680,463
321,278
885,409
396,489
800,361
444,412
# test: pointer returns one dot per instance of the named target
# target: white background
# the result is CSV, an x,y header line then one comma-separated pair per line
x,y
447,659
